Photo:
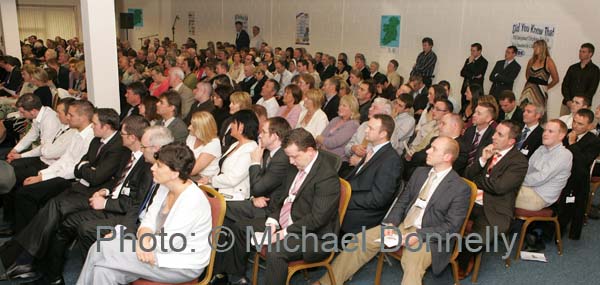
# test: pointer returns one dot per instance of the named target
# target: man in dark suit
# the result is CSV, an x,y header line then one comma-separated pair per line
x,y
13,80
126,192
434,204
136,91
62,78
360,63
328,67
375,179
309,206
249,80
95,171
451,125
267,174
331,88
498,174
169,108
95,168
473,70
242,40
508,107
531,136
505,72
202,101
419,94
479,135
585,147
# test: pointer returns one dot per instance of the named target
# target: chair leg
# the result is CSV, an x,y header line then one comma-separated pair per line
x,y
305,274
330,273
558,237
379,268
255,269
476,269
522,239
454,265
289,276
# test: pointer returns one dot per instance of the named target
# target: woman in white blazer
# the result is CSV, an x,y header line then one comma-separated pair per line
x,y
233,181
313,119
172,241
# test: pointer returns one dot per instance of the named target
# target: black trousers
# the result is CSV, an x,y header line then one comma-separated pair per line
x,y
233,261
573,213
81,226
244,210
29,199
27,167
36,237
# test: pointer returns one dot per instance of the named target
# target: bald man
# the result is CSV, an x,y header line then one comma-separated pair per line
x,y
434,204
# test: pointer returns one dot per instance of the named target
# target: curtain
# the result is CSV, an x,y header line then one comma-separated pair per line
x,y
47,21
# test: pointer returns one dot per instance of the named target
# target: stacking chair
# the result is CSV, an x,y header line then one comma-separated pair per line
x,y
298,265
453,262
217,210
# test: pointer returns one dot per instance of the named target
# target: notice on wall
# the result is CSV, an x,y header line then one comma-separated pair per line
x,y
525,34
389,35
302,29
192,23
138,17
242,18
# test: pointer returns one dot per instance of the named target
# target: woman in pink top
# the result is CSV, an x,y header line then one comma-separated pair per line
x,y
291,110
160,84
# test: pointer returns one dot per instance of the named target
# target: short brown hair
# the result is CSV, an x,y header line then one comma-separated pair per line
x,y
507,94
515,128
301,138
562,126
135,125
279,126
387,124
173,99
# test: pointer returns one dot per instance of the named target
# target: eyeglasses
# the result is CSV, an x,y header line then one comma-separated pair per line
x,y
146,146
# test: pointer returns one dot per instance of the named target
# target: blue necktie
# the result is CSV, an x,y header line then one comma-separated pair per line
x,y
149,196
523,137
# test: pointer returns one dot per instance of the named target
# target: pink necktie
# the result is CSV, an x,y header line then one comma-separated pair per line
x,y
284,216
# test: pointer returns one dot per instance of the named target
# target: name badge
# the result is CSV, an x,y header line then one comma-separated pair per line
x,y
125,191
421,203
570,199
525,151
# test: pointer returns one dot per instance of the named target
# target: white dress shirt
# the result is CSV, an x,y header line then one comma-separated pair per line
x,y
51,152
44,126
64,167
434,184
271,105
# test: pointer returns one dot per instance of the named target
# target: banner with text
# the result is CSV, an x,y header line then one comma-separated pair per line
x,y
302,29
525,34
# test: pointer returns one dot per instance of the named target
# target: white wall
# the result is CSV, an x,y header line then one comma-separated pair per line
x,y
156,16
74,3
353,26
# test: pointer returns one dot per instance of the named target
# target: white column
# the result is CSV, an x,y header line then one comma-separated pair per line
x,y
10,27
99,40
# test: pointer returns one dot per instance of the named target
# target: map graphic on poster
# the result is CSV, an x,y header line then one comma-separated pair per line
x,y
390,31
138,17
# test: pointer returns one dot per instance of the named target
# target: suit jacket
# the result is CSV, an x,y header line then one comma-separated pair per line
x,y
207,106
328,72
99,168
419,159
517,115
503,78
585,151
242,41
331,108
500,187
533,141
62,80
474,73
138,181
484,141
315,209
373,189
258,89
366,74
267,178
246,84
135,111
187,100
178,129
421,100
445,212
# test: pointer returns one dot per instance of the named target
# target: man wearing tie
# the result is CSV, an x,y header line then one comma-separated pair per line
x,y
375,179
498,173
505,72
531,136
435,202
473,70
309,206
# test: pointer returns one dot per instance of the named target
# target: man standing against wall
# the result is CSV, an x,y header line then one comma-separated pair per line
x,y
505,72
473,70
242,40
425,62
581,78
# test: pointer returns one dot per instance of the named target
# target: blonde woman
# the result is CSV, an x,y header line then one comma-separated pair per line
x,y
313,119
204,143
340,130
540,69
40,79
239,100
236,67
27,73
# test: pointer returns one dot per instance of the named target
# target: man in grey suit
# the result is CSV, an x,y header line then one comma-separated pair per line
x,y
433,205
176,76
267,173
505,72
169,108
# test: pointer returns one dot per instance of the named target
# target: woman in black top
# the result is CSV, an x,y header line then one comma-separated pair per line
x,y
41,80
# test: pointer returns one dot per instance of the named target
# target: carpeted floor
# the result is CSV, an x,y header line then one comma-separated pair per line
x,y
578,265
